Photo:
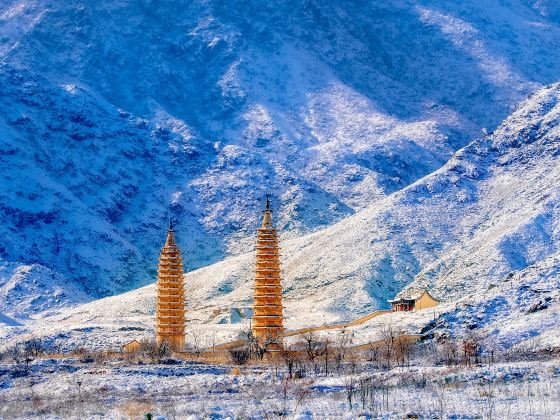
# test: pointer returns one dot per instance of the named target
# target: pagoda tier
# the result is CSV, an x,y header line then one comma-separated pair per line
x,y
268,326
170,308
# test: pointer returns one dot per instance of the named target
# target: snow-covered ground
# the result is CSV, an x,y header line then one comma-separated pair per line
x,y
68,388
381,130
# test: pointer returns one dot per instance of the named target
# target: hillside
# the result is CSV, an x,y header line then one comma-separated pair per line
x,y
519,312
117,116
488,216
492,209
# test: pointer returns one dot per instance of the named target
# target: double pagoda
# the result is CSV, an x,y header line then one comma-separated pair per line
x,y
267,322
170,310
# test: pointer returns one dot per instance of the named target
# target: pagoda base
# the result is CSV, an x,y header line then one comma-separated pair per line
x,y
176,342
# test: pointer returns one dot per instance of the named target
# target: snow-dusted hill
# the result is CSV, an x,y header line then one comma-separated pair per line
x,y
482,232
115,116
27,290
519,311
492,209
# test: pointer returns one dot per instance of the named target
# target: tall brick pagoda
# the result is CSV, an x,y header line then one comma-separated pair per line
x,y
170,309
267,322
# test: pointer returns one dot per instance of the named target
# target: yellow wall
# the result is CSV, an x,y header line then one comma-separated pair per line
x,y
425,301
132,346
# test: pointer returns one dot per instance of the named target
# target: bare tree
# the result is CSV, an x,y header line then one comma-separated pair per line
x,y
403,349
449,351
211,341
21,356
290,359
472,349
301,394
16,352
374,353
326,352
240,355
258,347
343,344
311,345
155,352
314,348
34,347
83,354
388,335
350,386
195,346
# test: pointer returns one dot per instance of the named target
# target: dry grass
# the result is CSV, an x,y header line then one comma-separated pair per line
x,y
136,409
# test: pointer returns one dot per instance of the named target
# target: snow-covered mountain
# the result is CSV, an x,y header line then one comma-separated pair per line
x,y
521,311
27,290
482,233
117,115
491,210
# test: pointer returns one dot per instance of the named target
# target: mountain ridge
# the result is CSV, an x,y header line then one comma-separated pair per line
x,y
122,115
488,216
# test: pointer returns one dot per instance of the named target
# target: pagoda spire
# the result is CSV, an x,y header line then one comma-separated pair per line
x,y
267,218
268,321
170,241
170,309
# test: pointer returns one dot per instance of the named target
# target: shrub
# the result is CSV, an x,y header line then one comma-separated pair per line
x,y
240,355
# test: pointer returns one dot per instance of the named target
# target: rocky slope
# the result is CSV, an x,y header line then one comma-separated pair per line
x,y
116,116
482,233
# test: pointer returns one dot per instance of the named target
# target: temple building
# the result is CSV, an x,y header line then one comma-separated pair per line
x,y
413,300
267,322
170,308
